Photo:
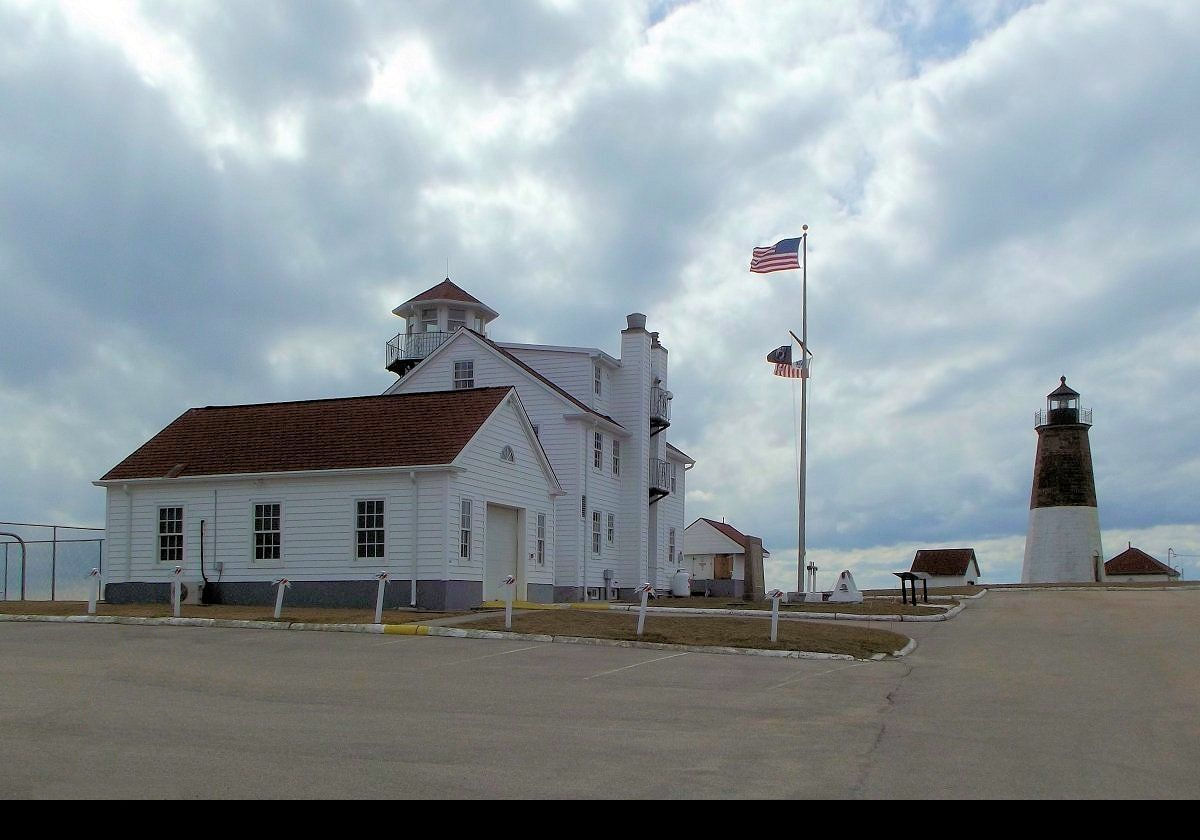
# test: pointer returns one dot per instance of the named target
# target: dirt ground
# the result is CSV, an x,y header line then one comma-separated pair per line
x,y
822,637
315,615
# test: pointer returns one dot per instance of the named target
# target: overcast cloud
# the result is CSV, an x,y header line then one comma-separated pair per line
x,y
217,203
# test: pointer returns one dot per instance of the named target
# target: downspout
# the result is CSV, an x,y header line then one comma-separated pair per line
x,y
586,542
412,590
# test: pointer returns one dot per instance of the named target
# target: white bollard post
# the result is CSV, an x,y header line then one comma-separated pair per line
x,y
647,590
176,590
94,595
510,585
282,584
383,579
775,595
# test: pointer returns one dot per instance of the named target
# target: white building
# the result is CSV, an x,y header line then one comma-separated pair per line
x,y
714,555
946,566
451,490
1136,566
600,419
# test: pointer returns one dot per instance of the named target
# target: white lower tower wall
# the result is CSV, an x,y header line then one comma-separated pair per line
x,y
1063,546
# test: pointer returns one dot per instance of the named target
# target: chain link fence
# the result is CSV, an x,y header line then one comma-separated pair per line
x,y
54,564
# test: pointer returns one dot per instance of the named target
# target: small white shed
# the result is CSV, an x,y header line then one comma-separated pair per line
x,y
947,566
714,554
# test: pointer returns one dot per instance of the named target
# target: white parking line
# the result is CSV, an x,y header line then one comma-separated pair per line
x,y
489,655
636,664
810,674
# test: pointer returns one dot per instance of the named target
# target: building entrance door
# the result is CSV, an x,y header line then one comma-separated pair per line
x,y
500,557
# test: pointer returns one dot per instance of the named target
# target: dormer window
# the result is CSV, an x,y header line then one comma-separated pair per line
x,y
456,318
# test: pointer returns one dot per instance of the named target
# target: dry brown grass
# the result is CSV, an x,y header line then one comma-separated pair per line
x,y
315,615
821,637
933,590
865,608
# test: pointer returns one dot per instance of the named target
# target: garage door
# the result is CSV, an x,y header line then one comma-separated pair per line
x,y
500,560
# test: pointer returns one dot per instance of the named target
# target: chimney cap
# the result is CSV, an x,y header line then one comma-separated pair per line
x,y
636,321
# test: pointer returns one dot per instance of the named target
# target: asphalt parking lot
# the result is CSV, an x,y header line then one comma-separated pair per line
x,y
1045,694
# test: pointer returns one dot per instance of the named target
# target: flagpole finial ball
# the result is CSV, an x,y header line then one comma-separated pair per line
x,y
803,227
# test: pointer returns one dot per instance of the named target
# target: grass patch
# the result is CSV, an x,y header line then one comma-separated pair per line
x,y
933,590
314,615
866,608
821,637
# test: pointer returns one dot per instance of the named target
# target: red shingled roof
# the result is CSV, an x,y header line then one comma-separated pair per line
x,y
944,562
1134,561
397,430
445,290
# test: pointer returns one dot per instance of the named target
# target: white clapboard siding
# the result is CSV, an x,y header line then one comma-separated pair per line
x,y
572,371
671,515
702,538
521,484
318,523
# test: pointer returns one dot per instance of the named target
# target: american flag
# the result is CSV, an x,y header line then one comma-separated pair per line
x,y
781,256
781,357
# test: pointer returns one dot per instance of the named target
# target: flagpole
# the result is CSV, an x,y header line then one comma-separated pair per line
x,y
800,501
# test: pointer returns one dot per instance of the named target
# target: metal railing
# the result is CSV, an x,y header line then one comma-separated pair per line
x,y
660,404
48,570
414,345
660,475
1042,417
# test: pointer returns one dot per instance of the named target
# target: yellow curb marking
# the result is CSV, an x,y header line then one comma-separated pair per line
x,y
406,629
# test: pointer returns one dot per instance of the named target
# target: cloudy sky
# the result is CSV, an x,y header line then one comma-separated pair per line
x,y
221,203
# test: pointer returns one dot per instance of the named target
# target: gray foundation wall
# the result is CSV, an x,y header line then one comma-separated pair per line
x,y
540,593
719,588
431,594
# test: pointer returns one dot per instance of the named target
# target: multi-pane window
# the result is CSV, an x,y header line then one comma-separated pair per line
x,y
595,532
583,506
597,450
267,532
464,529
541,539
616,457
429,320
456,318
612,527
464,374
596,379
170,535
368,529
671,545
672,478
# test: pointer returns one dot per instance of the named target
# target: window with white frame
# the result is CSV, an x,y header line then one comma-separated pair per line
x,y
429,320
507,454
672,478
464,374
464,529
541,539
595,532
455,318
596,379
671,545
267,531
616,457
598,450
612,528
583,506
368,529
170,535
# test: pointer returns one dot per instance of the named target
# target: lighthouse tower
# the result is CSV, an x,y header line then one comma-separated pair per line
x,y
1063,543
